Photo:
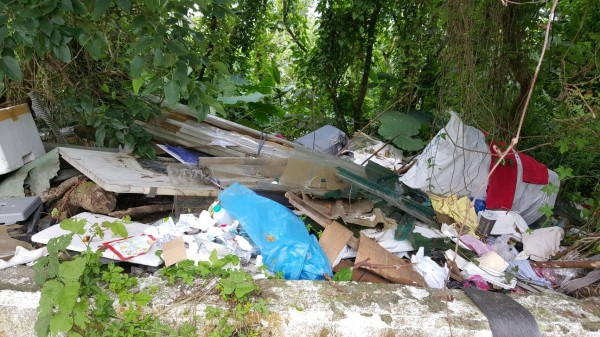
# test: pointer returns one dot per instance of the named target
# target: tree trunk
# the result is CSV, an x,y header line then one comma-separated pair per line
x,y
364,84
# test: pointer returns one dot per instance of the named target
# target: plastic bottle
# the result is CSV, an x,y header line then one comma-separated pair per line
x,y
221,216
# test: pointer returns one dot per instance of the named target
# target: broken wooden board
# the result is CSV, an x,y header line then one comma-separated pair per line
x,y
386,264
133,229
121,173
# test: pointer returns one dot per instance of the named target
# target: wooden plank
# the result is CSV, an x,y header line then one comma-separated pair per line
x,y
160,135
121,173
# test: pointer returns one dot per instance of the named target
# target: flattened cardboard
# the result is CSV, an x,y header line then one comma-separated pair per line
x,y
8,244
360,275
174,251
405,274
334,239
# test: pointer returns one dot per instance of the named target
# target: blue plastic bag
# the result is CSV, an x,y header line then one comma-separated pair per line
x,y
280,235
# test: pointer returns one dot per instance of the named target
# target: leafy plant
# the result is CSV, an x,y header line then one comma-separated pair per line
x,y
344,274
400,129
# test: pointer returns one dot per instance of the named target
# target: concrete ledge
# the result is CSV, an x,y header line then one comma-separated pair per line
x,y
304,308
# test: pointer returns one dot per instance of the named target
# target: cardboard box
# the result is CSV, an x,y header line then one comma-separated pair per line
x,y
20,141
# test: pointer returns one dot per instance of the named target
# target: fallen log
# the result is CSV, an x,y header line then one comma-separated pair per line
x,y
142,210
91,197
58,191
585,264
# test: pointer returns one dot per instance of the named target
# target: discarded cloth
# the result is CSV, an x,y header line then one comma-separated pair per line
x,y
280,235
456,208
476,281
524,271
542,243
434,275
474,244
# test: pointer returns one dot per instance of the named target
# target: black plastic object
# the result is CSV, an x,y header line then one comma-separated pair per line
x,y
506,317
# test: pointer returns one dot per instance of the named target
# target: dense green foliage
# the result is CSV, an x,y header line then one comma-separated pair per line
x,y
80,296
289,66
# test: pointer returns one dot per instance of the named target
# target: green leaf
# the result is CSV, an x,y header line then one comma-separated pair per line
x,y
270,109
42,324
100,135
74,225
546,210
67,5
394,123
344,274
62,52
71,271
562,145
253,97
59,244
136,66
275,72
221,67
49,294
177,47
564,172
117,227
244,288
10,66
408,144
100,7
124,5
68,298
80,317
550,189
159,57
96,46
136,84
79,7
171,90
60,322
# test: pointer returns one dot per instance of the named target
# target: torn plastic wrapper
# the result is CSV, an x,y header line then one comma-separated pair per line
x,y
130,247
280,235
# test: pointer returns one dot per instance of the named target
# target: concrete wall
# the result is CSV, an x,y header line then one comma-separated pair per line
x,y
304,308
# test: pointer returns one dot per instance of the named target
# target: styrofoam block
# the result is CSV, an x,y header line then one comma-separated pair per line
x,y
20,141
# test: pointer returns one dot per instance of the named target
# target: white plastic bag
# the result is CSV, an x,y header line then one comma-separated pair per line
x,y
434,275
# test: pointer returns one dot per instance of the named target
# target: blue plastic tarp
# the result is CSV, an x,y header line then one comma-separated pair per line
x,y
280,234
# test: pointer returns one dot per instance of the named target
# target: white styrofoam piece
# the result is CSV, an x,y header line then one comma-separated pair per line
x,y
20,141
133,228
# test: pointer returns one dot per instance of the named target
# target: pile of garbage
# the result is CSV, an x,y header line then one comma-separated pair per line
x,y
438,221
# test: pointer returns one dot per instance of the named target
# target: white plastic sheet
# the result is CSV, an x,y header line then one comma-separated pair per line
x,y
456,160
